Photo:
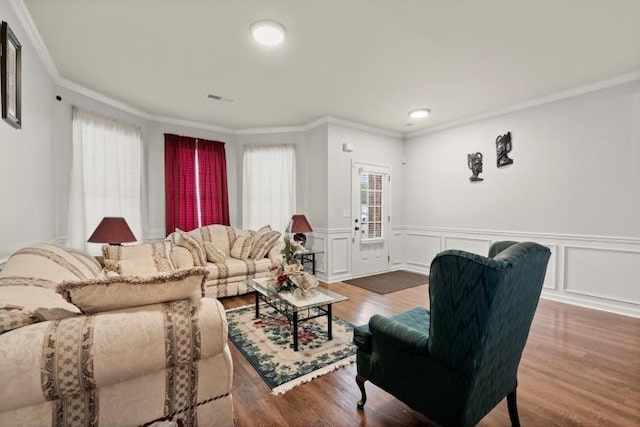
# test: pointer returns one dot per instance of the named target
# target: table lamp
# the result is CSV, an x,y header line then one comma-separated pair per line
x,y
300,225
112,230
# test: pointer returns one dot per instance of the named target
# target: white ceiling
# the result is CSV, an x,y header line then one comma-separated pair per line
x,y
367,61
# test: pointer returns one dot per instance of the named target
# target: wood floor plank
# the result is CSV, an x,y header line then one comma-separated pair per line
x,y
581,367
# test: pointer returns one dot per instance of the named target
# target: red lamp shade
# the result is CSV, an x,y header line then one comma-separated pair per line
x,y
113,230
299,224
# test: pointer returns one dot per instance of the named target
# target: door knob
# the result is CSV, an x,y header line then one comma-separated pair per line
x,y
357,228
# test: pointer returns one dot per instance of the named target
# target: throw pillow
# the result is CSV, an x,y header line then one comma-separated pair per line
x,y
242,247
263,244
262,230
112,293
14,317
138,260
214,254
195,247
112,266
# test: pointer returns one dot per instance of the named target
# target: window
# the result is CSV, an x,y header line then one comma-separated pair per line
x,y
195,175
268,186
106,175
371,205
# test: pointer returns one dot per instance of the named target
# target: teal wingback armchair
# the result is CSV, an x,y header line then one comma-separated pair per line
x,y
457,361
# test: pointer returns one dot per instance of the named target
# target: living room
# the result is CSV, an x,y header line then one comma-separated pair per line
x,y
573,186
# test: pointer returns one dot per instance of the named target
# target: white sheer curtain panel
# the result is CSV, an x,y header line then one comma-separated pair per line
x,y
106,176
268,186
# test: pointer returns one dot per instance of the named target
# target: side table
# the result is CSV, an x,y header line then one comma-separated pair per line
x,y
308,256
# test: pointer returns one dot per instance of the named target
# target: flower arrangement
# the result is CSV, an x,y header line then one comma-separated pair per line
x,y
290,275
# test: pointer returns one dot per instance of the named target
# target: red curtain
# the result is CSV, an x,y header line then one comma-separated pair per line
x,y
181,207
212,167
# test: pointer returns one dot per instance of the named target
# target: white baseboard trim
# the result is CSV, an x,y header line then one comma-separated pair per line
x,y
598,304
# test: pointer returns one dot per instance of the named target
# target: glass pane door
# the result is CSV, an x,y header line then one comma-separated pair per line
x,y
371,205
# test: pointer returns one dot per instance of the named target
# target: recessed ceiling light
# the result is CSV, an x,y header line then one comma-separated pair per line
x,y
268,32
419,113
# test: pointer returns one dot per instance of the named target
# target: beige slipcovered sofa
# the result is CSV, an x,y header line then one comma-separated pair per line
x,y
128,366
231,256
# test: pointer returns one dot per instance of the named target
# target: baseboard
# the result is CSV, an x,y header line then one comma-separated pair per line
x,y
599,304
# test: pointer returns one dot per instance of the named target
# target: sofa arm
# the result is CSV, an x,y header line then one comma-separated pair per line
x,y
389,332
50,360
181,257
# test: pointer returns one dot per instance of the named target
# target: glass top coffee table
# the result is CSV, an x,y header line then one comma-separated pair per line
x,y
316,304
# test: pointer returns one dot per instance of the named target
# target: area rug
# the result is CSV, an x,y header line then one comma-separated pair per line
x,y
267,343
391,281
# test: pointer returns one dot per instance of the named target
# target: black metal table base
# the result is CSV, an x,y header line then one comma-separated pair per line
x,y
294,318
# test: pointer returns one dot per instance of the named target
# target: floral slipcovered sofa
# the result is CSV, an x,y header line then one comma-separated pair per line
x,y
230,255
83,346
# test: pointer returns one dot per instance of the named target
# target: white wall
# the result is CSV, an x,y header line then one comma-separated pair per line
x,y
574,185
26,166
369,146
315,179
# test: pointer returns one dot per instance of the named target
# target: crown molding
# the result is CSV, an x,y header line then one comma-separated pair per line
x,y
34,36
21,11
90,93
265,130
194,125
43,53
366,128
615,81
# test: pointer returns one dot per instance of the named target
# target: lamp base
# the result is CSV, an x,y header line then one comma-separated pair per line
x,y
300,238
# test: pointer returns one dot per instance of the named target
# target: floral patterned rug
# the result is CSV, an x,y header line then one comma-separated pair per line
x,y
267,344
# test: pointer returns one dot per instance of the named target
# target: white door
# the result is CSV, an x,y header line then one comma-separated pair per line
x,y
370,218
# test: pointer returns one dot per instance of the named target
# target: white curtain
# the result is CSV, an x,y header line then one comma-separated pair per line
x,y
268,186
106,176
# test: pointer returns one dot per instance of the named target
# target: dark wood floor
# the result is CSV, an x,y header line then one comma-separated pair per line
x,y
580,367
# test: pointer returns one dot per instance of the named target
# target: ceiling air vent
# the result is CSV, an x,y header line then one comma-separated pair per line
x,y
220,98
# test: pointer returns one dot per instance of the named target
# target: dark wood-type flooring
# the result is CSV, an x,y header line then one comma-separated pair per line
x,y
581,367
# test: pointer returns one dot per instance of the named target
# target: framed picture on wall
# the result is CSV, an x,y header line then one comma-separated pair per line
x,y
10,69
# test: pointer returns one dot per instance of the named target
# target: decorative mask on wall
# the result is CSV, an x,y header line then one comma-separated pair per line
x,y
474,161
503,146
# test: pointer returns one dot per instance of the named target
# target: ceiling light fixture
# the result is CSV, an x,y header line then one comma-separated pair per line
x,y
268,32
419,113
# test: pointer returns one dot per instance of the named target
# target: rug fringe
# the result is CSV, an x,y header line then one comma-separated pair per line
x,y
283,388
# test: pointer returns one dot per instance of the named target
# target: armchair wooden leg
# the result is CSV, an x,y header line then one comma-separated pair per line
x,y
360,381
513,409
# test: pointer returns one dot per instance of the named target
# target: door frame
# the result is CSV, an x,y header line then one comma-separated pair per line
x,y
385,169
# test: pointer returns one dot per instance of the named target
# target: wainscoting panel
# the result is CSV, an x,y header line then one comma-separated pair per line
x,y
420,249
603,273
469,244
598,272
550,279
339,255
395,249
